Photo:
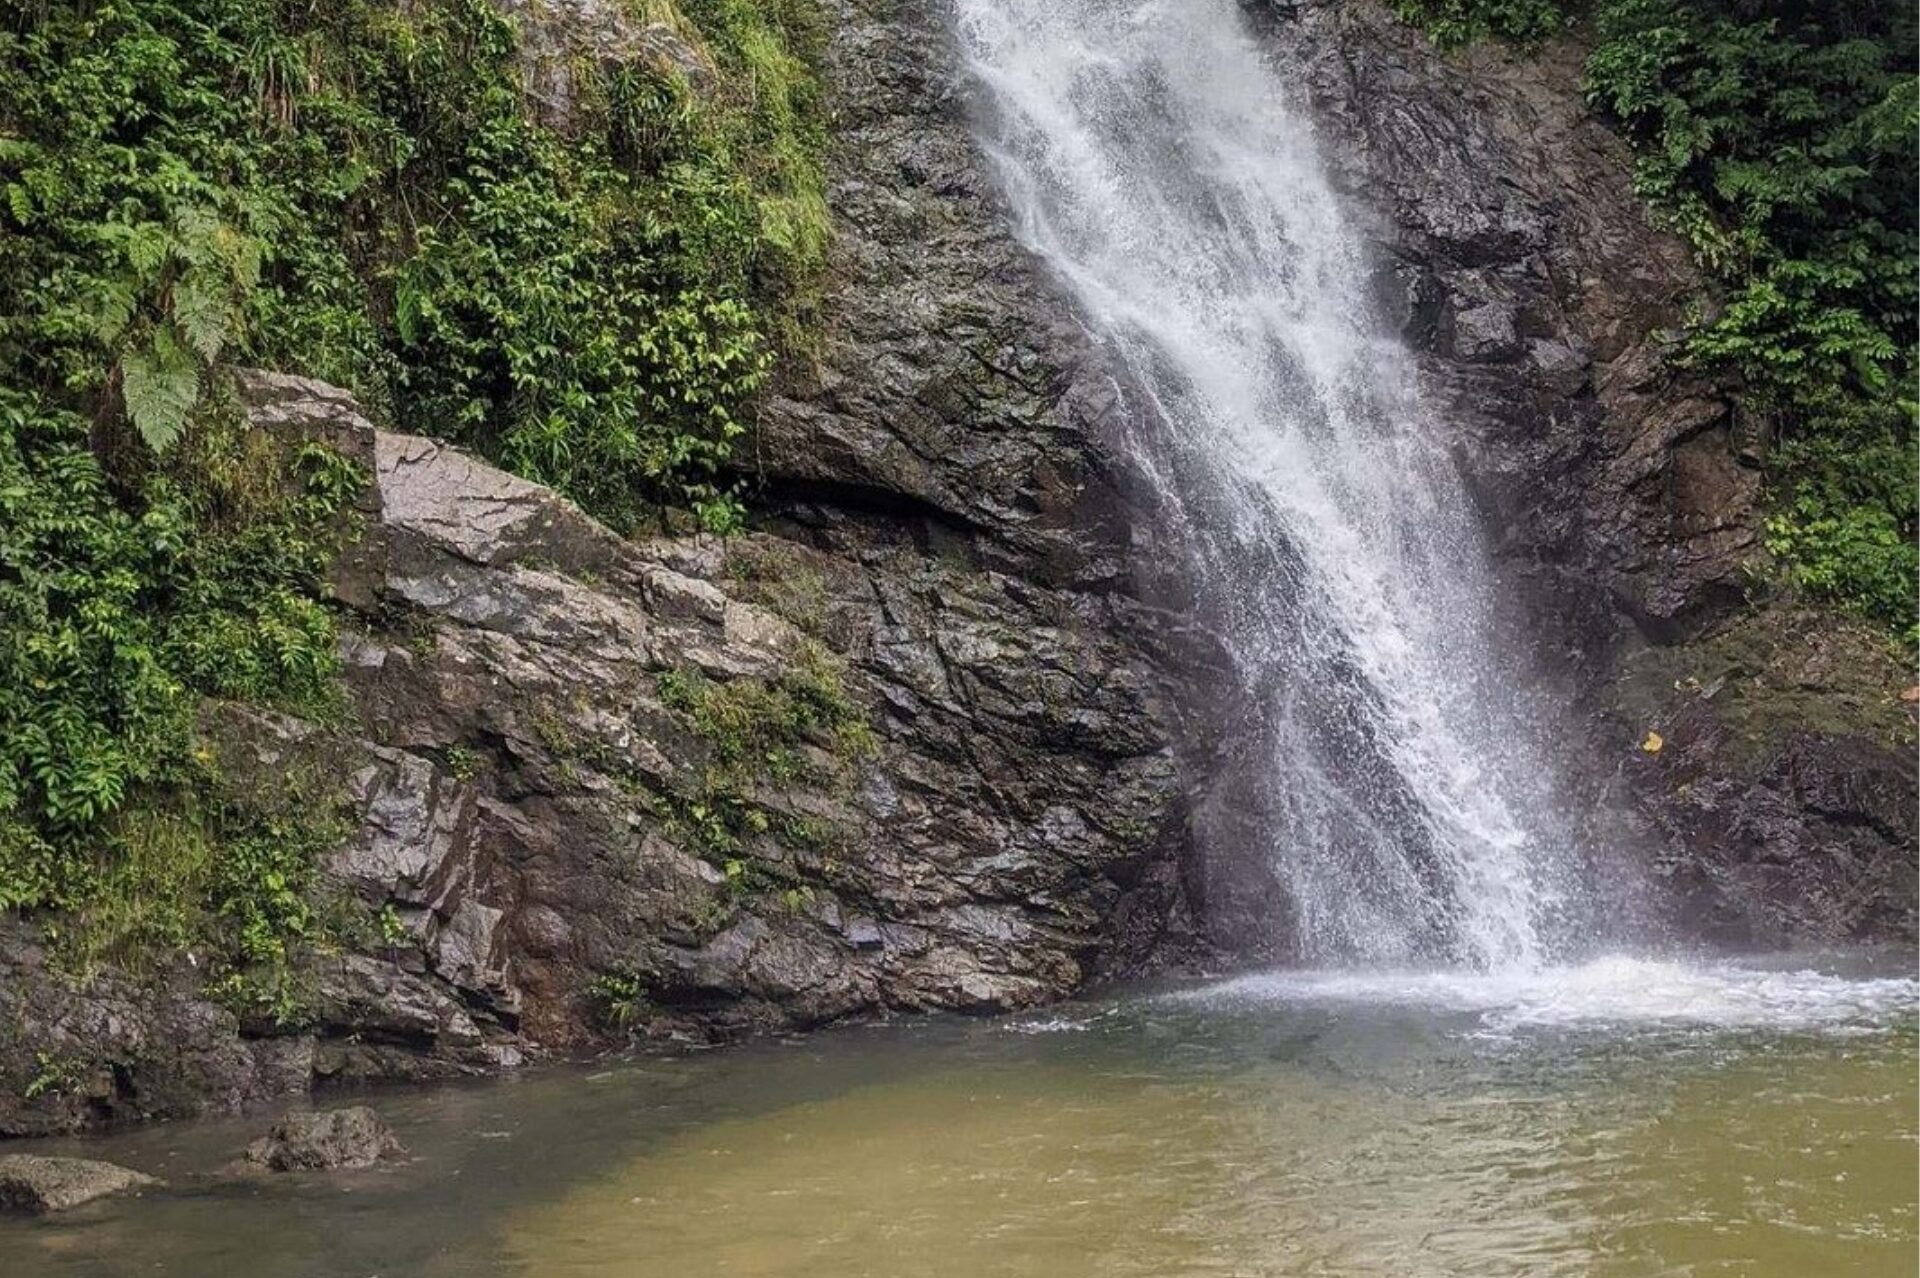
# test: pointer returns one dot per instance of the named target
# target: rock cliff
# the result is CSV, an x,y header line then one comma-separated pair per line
x,y
1624,499
932,734
572,822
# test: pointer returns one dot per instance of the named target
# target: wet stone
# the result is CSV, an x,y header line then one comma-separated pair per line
x,y
32,1183
324,1140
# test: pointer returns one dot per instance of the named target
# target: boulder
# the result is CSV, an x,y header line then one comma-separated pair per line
x,y
324,1140
33,1183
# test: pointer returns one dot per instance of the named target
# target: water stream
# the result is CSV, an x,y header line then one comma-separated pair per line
x,y
1154,161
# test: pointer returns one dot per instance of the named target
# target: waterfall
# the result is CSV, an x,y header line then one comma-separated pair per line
x,y
1153,159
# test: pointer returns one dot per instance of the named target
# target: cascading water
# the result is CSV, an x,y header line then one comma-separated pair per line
x,y
1153,160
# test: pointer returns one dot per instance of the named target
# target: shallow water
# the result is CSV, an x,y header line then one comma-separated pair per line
x,y
1625,1118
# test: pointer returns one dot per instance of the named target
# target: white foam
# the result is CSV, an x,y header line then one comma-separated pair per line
x,y
1616,991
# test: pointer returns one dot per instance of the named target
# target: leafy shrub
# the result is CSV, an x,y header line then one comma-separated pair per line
x,y
118,612
1452,23
1780,138
594,310
349,189
619,999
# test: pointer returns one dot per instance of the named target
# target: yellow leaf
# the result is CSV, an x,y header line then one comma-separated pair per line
x,y
1653,743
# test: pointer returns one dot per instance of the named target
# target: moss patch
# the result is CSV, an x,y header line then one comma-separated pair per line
x,y
1772,674
800,729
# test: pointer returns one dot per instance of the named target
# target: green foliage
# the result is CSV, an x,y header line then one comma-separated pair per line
x,y
350,189
222,874
392,929
1452,23
593,308
1779,138
172,308
463,762
54,1076
119,611
619,999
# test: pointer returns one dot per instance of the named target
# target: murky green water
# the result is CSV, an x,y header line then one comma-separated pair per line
x,y
1636,1121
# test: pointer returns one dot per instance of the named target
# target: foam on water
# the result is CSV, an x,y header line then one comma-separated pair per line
x,y
1610,992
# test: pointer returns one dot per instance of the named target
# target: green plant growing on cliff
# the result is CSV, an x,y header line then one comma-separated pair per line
x,y
619,999
119,612
1781,142
350,189
779,579
594,307
1780,139
755,731
1452,23
53,1076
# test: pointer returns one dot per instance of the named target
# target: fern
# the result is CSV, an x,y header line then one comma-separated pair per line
x,y
160,385
201,306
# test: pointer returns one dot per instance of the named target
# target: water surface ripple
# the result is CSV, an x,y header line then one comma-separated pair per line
x,y
1623,1120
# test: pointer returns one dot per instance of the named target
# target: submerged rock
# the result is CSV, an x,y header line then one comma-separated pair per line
x,y
324,1140
33,1183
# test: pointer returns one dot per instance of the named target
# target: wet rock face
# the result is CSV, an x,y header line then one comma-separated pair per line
x,y
1780,800
1520,264
537,808
1620,496
122,1049
955,385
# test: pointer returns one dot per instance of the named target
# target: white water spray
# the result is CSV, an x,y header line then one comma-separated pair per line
x,y
1152,158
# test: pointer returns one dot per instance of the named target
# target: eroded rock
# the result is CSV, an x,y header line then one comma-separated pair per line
x,y
36,1183
324,1141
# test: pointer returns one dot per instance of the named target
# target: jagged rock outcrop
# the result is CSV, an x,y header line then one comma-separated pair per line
x,y
538,830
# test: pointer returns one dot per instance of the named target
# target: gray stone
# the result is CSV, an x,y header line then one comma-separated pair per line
x,y
324,1141
33,1183
1485,333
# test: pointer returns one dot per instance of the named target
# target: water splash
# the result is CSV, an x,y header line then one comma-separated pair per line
x,y
1153,160
1616,992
